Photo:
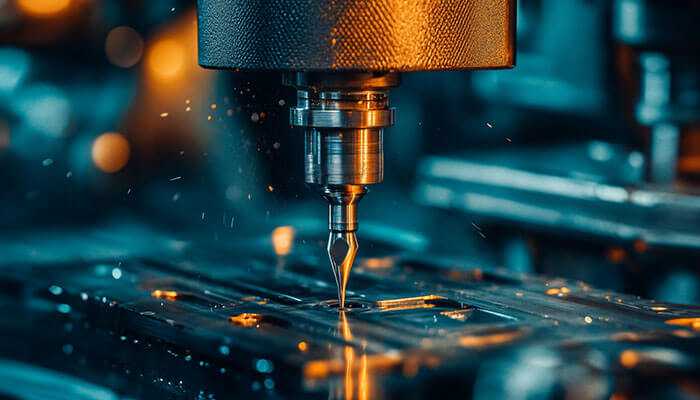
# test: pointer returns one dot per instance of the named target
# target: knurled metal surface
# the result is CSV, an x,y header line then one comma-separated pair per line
x,y
373,35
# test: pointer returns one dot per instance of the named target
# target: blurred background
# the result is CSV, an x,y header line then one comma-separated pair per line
x,y
582,162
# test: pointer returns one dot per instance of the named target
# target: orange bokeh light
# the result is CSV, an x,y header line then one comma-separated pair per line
x,y
42,8
283,240
166,59
629,359
110,152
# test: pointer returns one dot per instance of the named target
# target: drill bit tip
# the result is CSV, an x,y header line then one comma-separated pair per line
x,y
342,249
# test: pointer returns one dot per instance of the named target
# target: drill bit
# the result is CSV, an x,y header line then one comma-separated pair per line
x,y
342,249
342,224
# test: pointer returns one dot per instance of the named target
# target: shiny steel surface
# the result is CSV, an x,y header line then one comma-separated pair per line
x,y
342,118
342,249
344,157
376,35
342,206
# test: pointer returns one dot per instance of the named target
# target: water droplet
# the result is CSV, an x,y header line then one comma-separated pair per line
x,y
55,290
63,308
264,366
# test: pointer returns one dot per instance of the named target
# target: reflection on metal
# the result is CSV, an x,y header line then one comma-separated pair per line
x,y
409,303
693,323
246,320
492,339
558,291
352,35
165,294
458,315
378,263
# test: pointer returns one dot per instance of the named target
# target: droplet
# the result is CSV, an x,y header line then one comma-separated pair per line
x,y
264,366
63,308
67,349
55,290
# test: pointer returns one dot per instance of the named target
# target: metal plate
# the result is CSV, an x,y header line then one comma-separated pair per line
x,y
373,35
248,321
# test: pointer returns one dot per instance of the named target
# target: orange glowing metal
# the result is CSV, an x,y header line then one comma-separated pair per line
x,y
246,320
693,322
42,8
283,240
165,294
303,346
408,303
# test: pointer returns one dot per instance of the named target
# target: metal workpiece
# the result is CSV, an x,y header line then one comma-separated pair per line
x,y
352,35
228,325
